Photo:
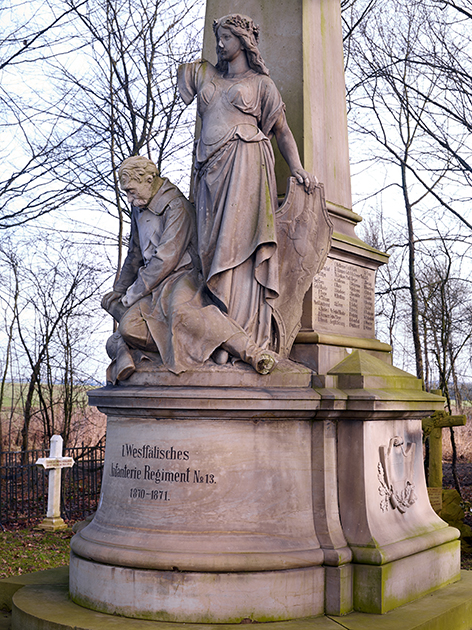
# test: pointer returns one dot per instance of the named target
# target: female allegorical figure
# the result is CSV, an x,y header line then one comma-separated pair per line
x,y
234,181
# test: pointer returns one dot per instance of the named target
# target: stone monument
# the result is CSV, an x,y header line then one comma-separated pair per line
x,y
239,484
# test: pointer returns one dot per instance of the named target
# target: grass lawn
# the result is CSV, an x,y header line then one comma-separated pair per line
x,y
28,550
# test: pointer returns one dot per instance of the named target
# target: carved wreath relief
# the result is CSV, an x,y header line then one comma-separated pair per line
x,y
395,474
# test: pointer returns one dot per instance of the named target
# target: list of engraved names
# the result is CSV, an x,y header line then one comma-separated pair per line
x,y
343,296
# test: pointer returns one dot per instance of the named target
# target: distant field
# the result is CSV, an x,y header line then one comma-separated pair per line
x,y
15,392
88,424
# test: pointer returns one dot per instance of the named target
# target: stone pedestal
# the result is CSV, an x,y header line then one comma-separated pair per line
x,y
206,513
401,549
267,502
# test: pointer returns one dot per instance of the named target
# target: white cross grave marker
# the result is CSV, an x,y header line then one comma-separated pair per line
x,y
54,463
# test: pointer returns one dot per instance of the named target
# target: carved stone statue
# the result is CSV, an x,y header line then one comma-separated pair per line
x,y
234,282
234,181
160,300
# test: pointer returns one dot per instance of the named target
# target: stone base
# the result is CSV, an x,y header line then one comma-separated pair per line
x,y
50,577
51,524
206,510
379,589
197,597
151,373
48,607
338,590
220,503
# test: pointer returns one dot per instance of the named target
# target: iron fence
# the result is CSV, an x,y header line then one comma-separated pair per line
x,y
24,486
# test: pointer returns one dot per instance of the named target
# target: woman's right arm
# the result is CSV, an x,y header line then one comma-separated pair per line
x,y
289,150
187,80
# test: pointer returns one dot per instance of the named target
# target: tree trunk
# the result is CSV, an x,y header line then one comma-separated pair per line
x,y
412,280
28,408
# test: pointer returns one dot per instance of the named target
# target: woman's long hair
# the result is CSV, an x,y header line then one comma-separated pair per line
x,y
248,34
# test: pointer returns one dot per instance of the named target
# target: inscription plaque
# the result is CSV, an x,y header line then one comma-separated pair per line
x,y
159,472
150,472
343,297
210,503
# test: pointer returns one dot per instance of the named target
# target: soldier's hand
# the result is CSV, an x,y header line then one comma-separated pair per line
x,y
110,297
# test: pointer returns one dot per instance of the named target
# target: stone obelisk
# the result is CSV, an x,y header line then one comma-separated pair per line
x,y
301,43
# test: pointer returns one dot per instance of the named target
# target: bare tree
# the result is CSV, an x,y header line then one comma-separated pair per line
x,y
399,102
446,315
30,142
94,87
51,297
416,55
84,85
9,299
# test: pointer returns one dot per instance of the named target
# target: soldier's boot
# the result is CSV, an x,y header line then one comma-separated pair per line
x,y
122,361
220,356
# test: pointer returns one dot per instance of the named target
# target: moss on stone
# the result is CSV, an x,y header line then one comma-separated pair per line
x,y
453,513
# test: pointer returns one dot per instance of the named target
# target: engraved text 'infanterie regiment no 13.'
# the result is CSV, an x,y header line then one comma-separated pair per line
x,y
157,475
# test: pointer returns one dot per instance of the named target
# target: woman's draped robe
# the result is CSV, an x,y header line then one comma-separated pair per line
x,y
235,191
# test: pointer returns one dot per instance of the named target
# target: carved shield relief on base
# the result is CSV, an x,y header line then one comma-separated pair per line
x,y
396,474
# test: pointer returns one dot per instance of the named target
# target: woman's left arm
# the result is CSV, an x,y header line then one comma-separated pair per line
x,y
288,149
